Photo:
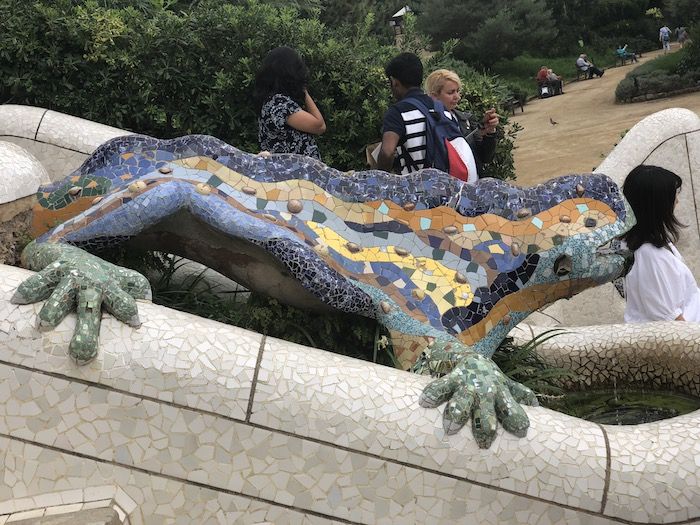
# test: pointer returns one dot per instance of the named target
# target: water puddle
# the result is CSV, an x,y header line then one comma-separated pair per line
x,y
624,407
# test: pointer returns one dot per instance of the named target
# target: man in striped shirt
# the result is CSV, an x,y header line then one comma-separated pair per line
x,y
403,131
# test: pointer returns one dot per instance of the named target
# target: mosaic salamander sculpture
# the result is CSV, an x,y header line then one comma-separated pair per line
x,y
444,266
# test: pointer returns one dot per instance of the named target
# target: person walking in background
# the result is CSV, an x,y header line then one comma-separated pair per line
x,y
586,65
289,117
665,38
445,85
659,286
682,36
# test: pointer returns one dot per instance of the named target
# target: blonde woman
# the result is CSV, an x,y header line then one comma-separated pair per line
x,y
445,85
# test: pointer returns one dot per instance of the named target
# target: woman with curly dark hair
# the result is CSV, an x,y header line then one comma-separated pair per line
x,y
288,115
659,287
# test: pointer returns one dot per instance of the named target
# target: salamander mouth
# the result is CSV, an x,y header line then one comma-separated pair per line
x,y
614,246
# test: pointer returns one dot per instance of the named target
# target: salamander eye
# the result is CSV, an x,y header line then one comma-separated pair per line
x,y
562,266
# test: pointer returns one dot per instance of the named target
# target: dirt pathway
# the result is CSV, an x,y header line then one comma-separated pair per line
x,y
589,124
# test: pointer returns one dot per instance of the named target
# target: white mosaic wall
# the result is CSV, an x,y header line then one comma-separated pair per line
x,y
190,421
242,422
27,173
60,142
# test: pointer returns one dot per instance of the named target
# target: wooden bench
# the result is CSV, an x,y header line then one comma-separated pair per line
x,y
513,102
581,74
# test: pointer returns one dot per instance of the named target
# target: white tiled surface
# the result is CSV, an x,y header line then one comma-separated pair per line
x,y
336,436
223,455
22,173
673,155
174,356
353,404
152,499
655,355
75,133
60,142
693,187
20,121
58,162
655,470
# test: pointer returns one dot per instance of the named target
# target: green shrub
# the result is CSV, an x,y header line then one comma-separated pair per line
x,y
625,90
166,72
664,63
665,74
690,58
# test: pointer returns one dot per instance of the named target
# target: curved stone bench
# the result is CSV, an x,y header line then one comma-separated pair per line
x,y
194,403
191,419
61,142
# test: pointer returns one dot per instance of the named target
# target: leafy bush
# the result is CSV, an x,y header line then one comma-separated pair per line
x,y
665,74
189,68
690,57
626,90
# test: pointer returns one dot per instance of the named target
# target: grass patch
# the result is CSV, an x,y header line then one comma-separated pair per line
x,y
522,364
668,63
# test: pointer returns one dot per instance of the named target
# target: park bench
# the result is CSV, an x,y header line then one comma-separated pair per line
x,y
623,59
513,102
581,74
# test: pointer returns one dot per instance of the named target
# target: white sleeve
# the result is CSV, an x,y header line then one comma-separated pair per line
x,y
660,284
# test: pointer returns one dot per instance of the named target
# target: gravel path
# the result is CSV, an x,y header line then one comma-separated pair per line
x,y
589,124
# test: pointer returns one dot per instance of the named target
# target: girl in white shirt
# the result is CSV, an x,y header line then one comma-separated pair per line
x,y
659,287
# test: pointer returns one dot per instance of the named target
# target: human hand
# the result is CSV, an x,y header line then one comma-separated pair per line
x,y
490,122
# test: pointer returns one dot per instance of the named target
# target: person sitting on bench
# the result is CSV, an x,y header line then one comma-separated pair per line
x,y
548,83
623,54
584,64
556,82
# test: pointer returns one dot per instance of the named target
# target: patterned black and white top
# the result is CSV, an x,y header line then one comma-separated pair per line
x,y
276,136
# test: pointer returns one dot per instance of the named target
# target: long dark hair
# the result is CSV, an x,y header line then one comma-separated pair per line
x,y
282,71
651,191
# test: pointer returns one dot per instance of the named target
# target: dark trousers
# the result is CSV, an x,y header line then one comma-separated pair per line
x,y
594,71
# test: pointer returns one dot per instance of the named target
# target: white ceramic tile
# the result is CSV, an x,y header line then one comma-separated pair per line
x,y
691,192
21,173
174,356
429,499
655,471
19,121
372,408
661,355
57,161
75,133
